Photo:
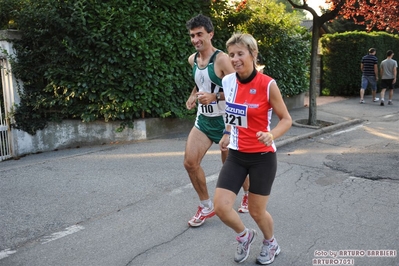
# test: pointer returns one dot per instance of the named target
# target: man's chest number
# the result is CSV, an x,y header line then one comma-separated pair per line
x,y
206,109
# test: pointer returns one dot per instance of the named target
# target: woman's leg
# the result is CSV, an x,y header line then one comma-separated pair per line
x,y
257,209
223,201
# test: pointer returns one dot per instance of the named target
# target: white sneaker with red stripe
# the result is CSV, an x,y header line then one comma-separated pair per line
x,y
244,204
202,214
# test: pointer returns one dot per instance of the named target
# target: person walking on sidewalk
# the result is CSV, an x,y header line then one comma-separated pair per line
x,y
250,99
369,67
388,69
210,65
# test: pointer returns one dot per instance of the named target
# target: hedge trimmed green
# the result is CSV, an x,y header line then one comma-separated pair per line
x,y
120,60
342,54
109,60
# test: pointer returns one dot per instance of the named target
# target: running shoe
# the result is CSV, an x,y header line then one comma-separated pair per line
x,y
244,204
268,253
243,247
382,103
389,102
376,99
202,214
361,101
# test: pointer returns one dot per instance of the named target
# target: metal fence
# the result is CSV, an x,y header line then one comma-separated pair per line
x,y
5,131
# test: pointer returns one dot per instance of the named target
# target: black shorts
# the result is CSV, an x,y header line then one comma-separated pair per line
x,y
387,84
261,168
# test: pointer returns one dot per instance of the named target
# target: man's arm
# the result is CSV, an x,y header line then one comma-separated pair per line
x,y
376,71
224,67
191,101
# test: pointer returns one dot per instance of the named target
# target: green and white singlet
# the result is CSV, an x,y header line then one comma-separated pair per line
x,y
207,81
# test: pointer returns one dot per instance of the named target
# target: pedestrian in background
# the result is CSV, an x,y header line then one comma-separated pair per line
x,y
250,99
388,69
369,67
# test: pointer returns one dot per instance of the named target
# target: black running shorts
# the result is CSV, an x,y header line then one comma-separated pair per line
x,y
261,168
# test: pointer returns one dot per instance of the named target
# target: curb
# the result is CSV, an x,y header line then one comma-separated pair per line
x,y
319,132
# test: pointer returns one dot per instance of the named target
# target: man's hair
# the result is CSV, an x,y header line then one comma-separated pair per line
x,y
389,52
371,50
200,21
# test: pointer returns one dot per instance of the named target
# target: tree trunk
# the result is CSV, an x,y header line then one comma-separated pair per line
x,y
313,72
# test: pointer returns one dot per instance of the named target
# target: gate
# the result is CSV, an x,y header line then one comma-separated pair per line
x,y
5,100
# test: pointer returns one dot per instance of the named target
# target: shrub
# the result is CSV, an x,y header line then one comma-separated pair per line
x,y
121,60
284,46
107,60
342,54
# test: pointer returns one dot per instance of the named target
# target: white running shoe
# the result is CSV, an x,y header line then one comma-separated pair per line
x,y
268,253
244,204
243,247
202,214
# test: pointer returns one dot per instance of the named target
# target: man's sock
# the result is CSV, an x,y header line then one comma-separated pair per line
x,y
207,203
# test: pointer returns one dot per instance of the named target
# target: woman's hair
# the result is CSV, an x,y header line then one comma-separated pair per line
x,y
246,40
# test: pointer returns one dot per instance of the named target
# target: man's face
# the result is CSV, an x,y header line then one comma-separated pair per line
x,y
200,38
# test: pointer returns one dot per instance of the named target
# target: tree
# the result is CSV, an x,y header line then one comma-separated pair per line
x,y
383,14
318,21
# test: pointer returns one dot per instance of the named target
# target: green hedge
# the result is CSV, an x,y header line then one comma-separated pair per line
x,y
108,60
342,54
121,60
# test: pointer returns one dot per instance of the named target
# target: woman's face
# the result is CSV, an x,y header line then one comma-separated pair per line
x,y
241,59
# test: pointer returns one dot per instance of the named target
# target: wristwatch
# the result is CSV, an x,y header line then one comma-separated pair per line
x,y
218,96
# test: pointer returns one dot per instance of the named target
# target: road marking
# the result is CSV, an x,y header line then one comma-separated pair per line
x,y
5,253
347,130
179,190
68,231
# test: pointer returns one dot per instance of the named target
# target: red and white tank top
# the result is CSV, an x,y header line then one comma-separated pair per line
x,y
248,111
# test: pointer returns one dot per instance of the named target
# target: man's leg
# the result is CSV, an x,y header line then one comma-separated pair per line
x,y
244,201
374,93
362,88
390,95
361,95
196,147
373,85
382,95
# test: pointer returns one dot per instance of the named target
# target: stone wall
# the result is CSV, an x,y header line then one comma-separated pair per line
x,y
74,133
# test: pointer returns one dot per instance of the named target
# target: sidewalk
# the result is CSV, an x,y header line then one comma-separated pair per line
x,y
326,105
341,112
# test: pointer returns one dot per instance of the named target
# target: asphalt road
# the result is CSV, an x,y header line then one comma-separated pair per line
x,y
335,200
